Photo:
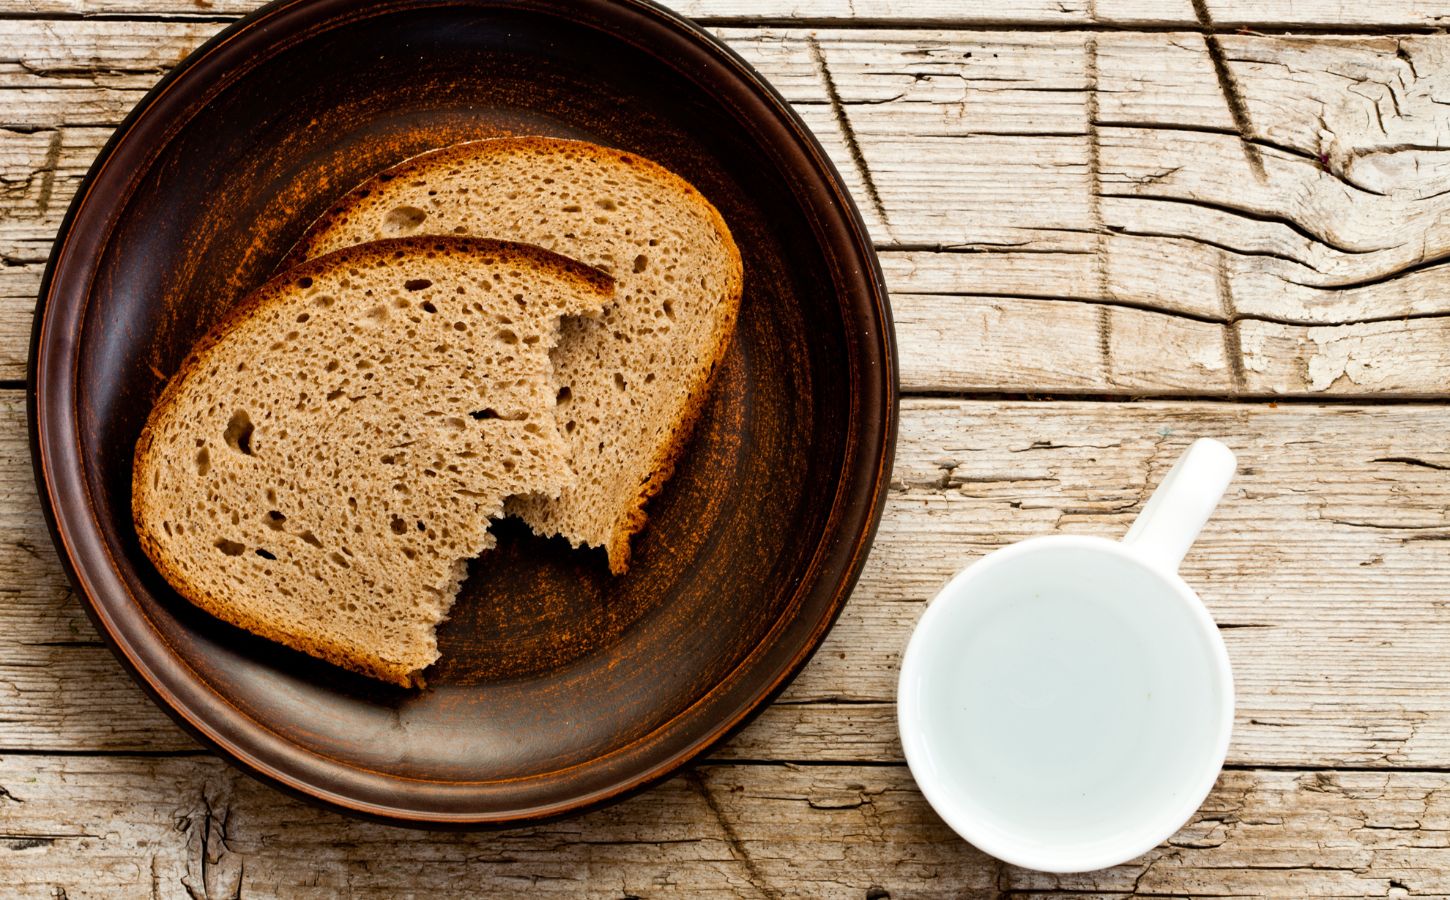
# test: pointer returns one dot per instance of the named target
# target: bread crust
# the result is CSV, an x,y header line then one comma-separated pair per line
x,y
583,277
633,518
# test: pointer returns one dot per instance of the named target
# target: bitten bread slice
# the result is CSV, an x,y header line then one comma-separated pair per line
x,y
631,383
327,459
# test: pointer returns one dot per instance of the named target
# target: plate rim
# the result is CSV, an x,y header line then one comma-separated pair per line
x,y
849,521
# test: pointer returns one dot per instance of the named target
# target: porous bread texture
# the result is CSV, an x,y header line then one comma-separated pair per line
x,y
631,383
329,457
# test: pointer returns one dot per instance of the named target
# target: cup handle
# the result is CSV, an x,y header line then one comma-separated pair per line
x,y
1178,509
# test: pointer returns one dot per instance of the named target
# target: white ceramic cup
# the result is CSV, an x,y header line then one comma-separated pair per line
x,y
1065,703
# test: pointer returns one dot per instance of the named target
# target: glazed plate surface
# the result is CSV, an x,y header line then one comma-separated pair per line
x,y
561,688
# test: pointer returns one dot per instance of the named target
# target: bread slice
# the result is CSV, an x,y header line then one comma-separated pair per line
x,y
631,383
327,459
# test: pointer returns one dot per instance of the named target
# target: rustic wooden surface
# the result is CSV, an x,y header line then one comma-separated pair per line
x,y
1109,227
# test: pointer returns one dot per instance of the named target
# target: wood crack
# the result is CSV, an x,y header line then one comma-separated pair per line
x,y
1105,340
1409,60
47,174
956,135
1254,215
1023,247
853,147
1095,213
1384,278
1207,318
1261,142
696,778
57,16
1131,231
1230,90
1410,461
83,71
1233,348
26,840
78,642
26,129
1384,526
215,862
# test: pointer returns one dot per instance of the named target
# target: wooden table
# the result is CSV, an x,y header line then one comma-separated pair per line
x,y
1108,227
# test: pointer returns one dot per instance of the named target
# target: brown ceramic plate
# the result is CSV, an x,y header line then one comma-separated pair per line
x,y
560,688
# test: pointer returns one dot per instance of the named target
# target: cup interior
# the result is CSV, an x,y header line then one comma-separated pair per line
x,y
1065,705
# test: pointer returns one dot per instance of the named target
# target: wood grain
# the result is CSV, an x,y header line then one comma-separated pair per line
x,y
1086,204
1325,567
1091,189
190,827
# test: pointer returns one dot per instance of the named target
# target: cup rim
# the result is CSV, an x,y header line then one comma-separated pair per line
x,y
946,804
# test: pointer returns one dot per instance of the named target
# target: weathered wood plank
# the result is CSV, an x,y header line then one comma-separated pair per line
x,y
1060,212
1324,564
1234,14
1038,12
192,827
55,55
1326,567
953,343
1315,226
1141,207
1093,188
1224,14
